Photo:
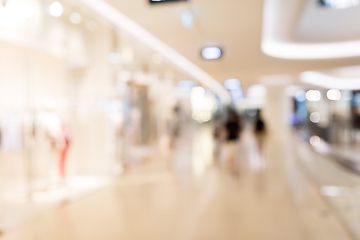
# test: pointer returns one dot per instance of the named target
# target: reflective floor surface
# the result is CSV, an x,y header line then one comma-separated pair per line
x,y
193,195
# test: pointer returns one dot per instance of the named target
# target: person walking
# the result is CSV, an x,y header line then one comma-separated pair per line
x,y
233,129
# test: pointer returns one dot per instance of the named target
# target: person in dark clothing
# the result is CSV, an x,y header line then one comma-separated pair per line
x,y
259,130
233,128
259,124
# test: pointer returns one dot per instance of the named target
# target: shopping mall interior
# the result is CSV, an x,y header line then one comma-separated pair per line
x,y
179,119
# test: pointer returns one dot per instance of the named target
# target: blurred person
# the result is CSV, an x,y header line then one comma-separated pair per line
x,y
233,129
259,129
217,135
175,124
136,116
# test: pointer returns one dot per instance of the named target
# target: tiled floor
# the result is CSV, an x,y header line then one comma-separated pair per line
x,y
195,197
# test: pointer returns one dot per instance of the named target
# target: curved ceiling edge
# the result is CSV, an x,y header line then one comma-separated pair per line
x,y
330,82
306,51
279,21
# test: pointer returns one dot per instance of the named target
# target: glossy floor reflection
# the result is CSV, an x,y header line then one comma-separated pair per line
x,y
195,197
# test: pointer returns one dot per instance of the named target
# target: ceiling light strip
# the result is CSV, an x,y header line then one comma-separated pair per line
x,y
330,82
310,51
121,21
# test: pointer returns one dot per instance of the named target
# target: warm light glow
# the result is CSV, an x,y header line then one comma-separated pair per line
x,y
15,13
315,117
202,105
315,141
333,95
313,95
330,191
197,93
56,9
75,18
256,91
201,116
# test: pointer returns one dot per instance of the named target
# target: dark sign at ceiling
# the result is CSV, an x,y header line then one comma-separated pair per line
x,y
322,3
166,1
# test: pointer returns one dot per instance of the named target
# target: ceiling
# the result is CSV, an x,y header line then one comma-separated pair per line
x,y
319,24
301,29
235,26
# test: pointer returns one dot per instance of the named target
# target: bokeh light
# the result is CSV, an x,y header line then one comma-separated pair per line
x,y
56,9
333,95
313,95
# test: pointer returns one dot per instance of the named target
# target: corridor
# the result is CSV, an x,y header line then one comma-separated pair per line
x,y
179,120
271,197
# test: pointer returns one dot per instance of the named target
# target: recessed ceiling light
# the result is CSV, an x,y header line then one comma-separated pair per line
x,y
75,18
187,18
232,84
210,53
56,9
